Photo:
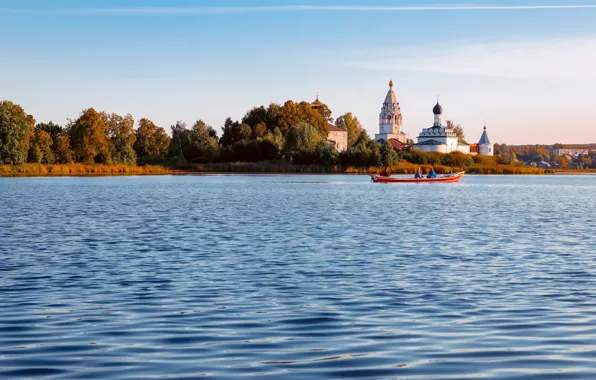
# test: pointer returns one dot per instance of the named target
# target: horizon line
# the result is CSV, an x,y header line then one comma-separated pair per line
x,y
284,8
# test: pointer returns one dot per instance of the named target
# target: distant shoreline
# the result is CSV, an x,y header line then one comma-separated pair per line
x,y
177,173
261,168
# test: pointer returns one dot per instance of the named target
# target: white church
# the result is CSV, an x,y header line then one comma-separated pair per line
x,y
438,138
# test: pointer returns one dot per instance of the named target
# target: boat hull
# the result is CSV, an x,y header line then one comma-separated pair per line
x,y
452,178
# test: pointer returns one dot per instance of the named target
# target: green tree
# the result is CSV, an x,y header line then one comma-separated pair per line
x,y
459,131
364,152
259,130
291,114
203,144
180,144
62,151
388,154
513,160
276,138
325,111
121,138
88,137
54,130
243,132
257,115
302,137
327,154
227,136
350,124
151,141
16,129
41,147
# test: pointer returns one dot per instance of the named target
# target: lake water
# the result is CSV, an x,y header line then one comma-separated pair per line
x,y
297,277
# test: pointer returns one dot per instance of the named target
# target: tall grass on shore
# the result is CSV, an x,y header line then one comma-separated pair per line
x,y
34,170
37,170
401,168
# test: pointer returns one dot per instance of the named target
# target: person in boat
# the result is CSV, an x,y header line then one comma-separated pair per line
x,y
418,174
432,174
385,172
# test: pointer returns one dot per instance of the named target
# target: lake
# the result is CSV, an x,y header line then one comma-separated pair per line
x,y
297,277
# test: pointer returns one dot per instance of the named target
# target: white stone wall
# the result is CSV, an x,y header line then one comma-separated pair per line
x,y
464,149
340,138
452,144
435,138
432,148
486,150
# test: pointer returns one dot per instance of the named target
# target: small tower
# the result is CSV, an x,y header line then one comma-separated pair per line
x,y
485,148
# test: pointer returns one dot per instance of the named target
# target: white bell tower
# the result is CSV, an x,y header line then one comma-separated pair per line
x,y
390,119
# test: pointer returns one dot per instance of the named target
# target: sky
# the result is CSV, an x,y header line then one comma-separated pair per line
x,y
527,68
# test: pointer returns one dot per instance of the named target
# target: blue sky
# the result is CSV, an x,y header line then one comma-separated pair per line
x,y
526,67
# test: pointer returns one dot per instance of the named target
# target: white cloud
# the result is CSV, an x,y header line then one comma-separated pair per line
x,y
286,8
553,60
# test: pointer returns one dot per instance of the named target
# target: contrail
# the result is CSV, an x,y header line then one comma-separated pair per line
x,y
287,8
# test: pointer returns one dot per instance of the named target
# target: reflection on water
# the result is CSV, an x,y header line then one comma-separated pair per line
x,y
297,277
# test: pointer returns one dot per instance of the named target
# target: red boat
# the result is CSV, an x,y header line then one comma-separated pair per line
x,y
450,178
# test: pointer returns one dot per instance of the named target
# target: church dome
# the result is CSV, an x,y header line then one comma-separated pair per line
x,y
317,103
438,110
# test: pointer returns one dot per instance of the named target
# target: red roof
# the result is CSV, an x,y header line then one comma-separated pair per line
x,y
333,128
397,144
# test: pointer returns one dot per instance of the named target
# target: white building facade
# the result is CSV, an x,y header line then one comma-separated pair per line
x,y
390,119
440,138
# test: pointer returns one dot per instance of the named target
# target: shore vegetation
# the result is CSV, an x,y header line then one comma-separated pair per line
x,y
289,137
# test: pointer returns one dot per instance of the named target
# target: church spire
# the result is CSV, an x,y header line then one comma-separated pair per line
x,y
484,140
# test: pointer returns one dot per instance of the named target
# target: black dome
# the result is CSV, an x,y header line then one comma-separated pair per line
x,y
438,110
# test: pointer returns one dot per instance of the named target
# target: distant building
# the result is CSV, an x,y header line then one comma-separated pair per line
x,y
571,152
543,165
473,149
390,120
440,138
398,145
338,137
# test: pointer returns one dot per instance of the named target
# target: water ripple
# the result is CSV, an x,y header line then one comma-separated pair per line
x,y
297,277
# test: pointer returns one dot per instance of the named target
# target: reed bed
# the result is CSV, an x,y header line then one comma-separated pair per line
x,y
401,168
38,170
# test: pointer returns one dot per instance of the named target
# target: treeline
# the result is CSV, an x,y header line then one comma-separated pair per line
x,y
293,133
535,154
94,137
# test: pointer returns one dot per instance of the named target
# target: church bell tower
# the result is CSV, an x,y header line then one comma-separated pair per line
x,y
390,119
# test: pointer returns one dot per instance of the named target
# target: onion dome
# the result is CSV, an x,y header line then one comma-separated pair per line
x,y
438,110
317,103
